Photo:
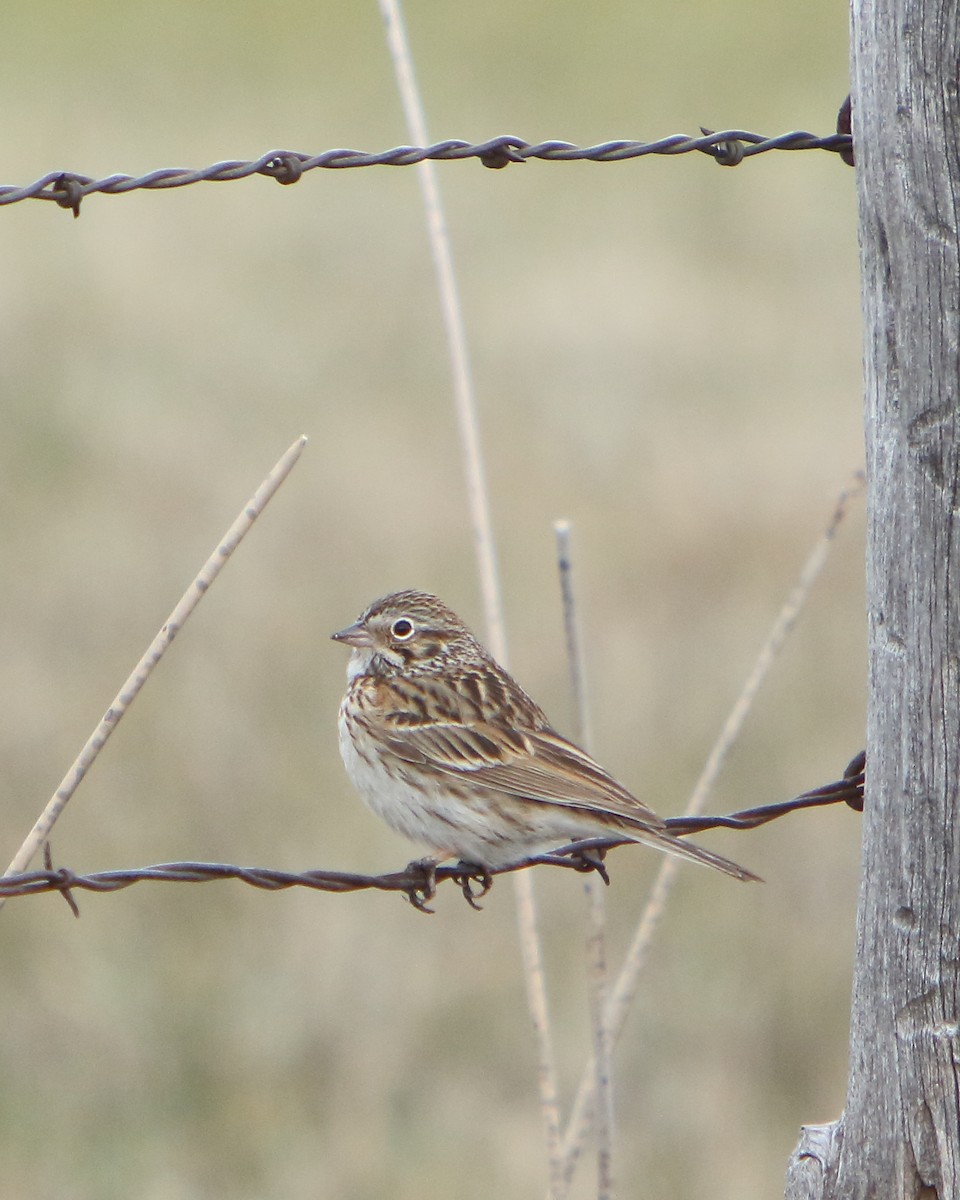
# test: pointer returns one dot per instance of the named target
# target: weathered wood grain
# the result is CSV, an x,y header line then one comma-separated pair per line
x,y
899,1137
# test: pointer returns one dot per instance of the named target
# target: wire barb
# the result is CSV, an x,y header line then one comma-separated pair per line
x,y
728,148
64,889
68,191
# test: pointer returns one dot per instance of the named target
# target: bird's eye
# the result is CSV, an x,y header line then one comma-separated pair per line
x,y
402,629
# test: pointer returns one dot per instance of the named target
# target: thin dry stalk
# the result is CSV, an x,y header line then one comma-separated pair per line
x,y
571,629
484,544
618,1005
464,399
38,836
596,946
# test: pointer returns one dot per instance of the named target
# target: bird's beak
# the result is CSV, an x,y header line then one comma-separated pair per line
x,y
354,635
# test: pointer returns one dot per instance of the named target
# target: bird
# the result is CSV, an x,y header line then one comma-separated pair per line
x,y
448,749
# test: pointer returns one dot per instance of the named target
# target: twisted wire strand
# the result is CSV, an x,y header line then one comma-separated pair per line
x,y
416,881
728,148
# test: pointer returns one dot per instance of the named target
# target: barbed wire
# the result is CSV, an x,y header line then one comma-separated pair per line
x,y
728,148
418,881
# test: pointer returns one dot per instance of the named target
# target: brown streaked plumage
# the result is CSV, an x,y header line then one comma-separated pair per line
x,y
450,751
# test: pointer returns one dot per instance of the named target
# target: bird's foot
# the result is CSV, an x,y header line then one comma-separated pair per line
x,y
468,874
423,886
586,861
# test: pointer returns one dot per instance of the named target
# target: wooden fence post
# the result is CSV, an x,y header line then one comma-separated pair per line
x,y
899,1136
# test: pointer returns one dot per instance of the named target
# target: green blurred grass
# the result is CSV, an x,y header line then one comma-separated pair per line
x,y
665,352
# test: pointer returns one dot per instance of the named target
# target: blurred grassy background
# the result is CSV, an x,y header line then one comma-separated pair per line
x,y
667,353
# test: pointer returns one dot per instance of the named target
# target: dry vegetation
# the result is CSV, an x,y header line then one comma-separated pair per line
x,y
666,352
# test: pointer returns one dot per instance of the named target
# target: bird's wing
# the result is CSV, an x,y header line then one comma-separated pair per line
x,y
536,764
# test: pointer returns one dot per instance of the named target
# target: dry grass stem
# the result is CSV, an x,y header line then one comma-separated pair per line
x,y
594,888
624,990
571,629
464,399
484,544
534,978
39,834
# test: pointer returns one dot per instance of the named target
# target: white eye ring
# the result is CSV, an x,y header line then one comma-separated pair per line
x,y
402,629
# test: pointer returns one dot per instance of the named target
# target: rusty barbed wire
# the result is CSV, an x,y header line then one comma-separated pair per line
x,y
728,148
417,881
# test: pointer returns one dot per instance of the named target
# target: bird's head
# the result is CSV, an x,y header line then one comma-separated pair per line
x,y
405,631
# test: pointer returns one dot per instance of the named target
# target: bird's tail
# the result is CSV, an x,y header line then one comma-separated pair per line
x,y
684,849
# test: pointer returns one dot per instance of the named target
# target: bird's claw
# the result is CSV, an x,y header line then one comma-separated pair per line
x,y
587,860
468,874
424,885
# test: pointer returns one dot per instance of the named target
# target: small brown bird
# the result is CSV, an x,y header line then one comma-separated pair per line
x,y
449,750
